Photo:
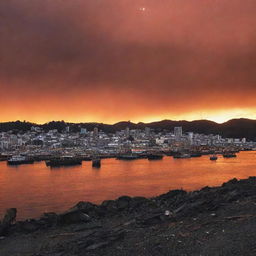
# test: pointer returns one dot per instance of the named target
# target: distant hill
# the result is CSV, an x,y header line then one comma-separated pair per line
x,y
235,128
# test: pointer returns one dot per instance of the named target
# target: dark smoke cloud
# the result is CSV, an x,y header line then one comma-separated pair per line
x,y
81,56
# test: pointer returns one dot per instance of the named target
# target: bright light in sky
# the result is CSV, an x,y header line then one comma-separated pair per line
x,y
143,9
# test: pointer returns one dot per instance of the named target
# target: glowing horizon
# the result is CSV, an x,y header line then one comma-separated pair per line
x,y
218,117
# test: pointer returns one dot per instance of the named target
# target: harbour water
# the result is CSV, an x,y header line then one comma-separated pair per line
x,y
35,188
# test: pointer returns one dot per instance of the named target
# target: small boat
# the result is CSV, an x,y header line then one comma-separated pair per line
x,y
169,153
155,156
64,161
229,155
17,160
181,156
142,156
195,154
96,163
85,157
127,157
214,157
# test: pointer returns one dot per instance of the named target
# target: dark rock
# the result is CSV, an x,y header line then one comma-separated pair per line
x,y
84,235
232,196
252,179
85,207
8,220
150,219
87,226
85,243
123,202
73,216
50,218
28,226
109,206
138,202
206,189
192,209
233,181
172,194
117,235
97,245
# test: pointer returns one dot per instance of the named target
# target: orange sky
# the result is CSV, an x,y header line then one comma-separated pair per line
x,y
138,60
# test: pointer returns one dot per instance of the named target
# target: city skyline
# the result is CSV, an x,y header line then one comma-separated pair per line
x,y
127,60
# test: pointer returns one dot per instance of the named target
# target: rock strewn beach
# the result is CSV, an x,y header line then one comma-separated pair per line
x,y
211,221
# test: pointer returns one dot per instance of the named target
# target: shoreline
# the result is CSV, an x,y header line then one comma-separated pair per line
x,y
103,228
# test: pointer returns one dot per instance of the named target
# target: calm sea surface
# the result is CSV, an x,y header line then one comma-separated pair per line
x,y
34,189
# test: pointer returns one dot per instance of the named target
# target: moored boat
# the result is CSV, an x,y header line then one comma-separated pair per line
x,y
155,156
214,157
182,156
229,155
64,161
196,154
127,157
17,160
96,163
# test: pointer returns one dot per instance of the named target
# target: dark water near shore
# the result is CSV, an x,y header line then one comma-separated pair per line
x,y
35,189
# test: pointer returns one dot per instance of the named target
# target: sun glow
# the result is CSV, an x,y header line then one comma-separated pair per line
x,y
220,116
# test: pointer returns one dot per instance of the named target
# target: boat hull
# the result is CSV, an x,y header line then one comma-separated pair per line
x,y
60,163
127,157
229,155
9,162
96,163
155,157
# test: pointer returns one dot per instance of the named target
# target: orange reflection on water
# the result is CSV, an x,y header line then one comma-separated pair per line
x,y
35,189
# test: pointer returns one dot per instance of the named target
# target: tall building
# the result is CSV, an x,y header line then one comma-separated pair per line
x,y
147,131
95,132
190,137
127,132
178,132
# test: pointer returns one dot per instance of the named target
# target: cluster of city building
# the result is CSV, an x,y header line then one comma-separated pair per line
x,y
38,141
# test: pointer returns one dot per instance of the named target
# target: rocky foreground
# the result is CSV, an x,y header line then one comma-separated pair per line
x,y
212,221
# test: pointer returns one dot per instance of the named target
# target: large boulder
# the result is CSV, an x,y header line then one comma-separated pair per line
x,y
123,202
73,216
28,226
8,220
109,206
49,218
138,202
86,207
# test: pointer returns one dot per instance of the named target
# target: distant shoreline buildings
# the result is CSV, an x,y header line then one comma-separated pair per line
x,y
39,141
